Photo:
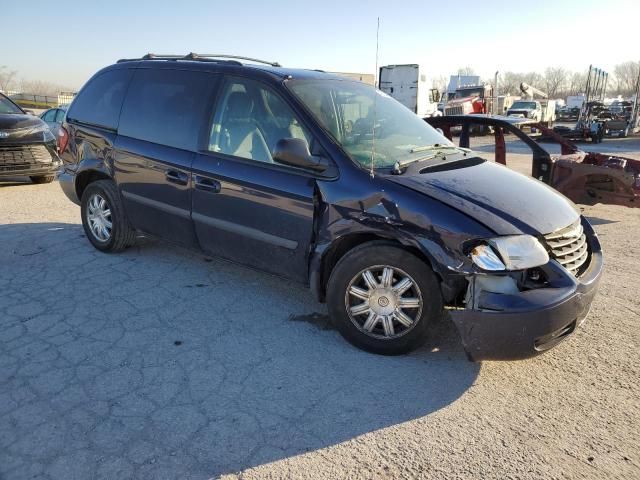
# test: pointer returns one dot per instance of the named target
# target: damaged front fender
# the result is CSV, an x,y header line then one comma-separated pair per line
x,y
432,230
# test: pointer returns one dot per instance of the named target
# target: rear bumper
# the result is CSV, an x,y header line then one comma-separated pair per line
x,y
66,180
529,323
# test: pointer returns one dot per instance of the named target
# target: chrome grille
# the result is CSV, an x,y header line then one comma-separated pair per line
x,y
24,155
456,110
569,247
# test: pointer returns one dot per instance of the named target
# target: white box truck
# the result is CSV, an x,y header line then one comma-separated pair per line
x,y
575,101
411,87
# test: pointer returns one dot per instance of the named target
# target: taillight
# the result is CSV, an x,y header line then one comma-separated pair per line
x,y
63,140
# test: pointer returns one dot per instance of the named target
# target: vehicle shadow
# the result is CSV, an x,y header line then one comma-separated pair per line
x,y
171,364
14,181
600,221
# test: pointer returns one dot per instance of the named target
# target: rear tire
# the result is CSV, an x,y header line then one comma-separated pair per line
x,y
38,179
104,219
382,298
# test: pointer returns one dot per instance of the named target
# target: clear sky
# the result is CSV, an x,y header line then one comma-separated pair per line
x,y
79,37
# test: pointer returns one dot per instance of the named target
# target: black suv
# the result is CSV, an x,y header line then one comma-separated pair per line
x,y
329,182
27,145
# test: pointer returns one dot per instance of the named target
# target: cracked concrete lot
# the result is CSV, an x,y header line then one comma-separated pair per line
x,y
159,363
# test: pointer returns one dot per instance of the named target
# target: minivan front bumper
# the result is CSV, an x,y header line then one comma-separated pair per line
x,y
525,324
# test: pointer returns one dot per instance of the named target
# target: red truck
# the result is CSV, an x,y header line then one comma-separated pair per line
x,y
470,99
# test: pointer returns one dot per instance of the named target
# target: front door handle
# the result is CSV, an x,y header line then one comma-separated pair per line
x,y
207,184
176,176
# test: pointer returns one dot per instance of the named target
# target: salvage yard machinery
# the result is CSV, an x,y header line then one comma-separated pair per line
x,y
584,177
589,126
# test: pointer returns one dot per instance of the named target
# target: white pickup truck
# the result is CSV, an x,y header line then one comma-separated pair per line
x,y
541,111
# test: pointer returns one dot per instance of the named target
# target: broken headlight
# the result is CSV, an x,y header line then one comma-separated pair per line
x,y
514,252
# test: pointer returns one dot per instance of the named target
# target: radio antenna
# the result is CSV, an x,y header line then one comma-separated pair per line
x,y
375,98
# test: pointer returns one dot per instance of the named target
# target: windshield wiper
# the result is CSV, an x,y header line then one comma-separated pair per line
x,y
435,146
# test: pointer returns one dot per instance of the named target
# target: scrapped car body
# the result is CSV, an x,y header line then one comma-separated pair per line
x,y
27,146
331,183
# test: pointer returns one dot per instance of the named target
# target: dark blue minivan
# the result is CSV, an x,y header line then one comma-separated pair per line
x,y
329,182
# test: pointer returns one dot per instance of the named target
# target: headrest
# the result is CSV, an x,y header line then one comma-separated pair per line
x,y
239,106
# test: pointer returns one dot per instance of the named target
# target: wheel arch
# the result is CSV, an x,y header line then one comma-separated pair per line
x,y
87,176
323,264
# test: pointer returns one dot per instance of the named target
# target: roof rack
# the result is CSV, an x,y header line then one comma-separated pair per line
x,y
203,57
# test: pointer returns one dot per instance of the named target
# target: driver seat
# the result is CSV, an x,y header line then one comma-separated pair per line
x,y
241,136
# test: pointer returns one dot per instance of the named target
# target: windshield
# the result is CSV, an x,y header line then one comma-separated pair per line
x,y
469,92
7,106
525,105
349,110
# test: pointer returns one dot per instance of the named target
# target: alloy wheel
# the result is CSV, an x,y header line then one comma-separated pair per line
x,y
383,302
99,217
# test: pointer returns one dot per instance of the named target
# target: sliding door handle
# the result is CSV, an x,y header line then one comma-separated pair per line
x,y
176,176
207,184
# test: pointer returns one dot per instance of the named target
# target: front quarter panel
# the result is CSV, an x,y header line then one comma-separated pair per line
x,y
361,205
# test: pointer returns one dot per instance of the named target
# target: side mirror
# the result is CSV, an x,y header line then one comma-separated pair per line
x,y
295,152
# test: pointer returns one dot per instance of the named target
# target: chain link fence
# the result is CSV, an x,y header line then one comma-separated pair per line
x,y
27,100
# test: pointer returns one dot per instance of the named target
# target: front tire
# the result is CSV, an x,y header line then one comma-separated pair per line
x,y
382,299
104,219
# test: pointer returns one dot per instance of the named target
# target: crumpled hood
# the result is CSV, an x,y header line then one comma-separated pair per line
x,y
505,201
13,121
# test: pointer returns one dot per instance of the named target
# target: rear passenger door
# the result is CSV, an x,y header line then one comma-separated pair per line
x,y
247,208
162,117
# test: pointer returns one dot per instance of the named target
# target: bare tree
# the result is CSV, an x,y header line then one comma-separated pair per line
x,y
7,78
466,71
534,79
555,79
440,83
40,87
626,75
577,83
508,83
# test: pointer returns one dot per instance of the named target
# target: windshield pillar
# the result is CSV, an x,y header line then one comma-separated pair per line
x,y
464,135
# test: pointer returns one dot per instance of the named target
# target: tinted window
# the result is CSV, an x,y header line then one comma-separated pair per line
x,y
99,102
60,116
250,119
166,107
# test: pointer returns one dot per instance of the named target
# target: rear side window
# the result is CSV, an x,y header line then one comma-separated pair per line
x,y
100,101
50,116
166,107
